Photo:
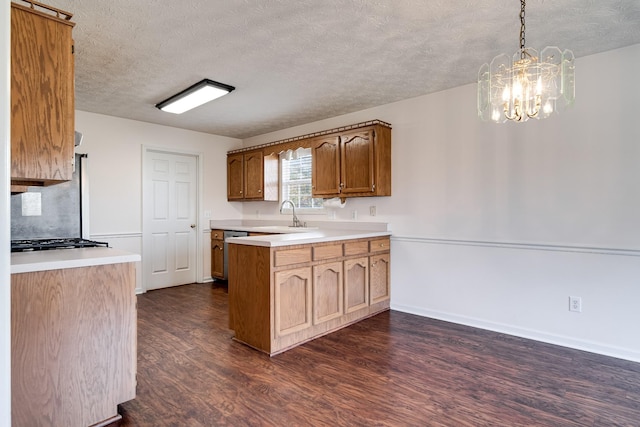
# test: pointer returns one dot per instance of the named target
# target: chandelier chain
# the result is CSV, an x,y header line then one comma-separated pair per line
x,y
522,27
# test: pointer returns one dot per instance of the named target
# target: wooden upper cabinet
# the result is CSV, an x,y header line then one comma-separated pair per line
x,y
352,164
252,176
352,161
235,177
357,171
42,96
325,166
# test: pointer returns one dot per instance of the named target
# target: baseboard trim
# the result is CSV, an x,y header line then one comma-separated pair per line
x,y
521,246
564,341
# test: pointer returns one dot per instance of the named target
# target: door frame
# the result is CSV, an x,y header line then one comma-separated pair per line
x,y
146,153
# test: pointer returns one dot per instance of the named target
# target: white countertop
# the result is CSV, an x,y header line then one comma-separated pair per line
x,y
27,262
300,236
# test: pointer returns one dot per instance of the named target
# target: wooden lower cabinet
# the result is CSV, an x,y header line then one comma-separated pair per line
x,y
328,292
217,254
73,345
379,278
296,293
356,283
292,300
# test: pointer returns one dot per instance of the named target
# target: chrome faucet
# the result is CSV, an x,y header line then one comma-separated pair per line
x,y
296,222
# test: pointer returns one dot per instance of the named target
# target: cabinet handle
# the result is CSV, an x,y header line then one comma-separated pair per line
x,y
374,264
259,191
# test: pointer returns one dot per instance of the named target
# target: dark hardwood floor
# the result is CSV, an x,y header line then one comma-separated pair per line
x,y
394,369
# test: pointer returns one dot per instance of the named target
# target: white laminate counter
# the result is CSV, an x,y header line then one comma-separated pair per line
x,y
27,262
303,236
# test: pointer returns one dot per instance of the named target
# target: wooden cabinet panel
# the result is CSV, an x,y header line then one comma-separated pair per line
x,y
217,254
356,248
357,165
253,175
235,177
380,245
327,252
291,256
42,97
327,292
217,259
379,278
325,166
356,284
292,309
73,344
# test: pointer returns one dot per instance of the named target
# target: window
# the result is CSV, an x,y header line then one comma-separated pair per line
x,y
295,179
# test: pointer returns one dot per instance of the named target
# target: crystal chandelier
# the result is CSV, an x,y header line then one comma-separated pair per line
x,y
529,85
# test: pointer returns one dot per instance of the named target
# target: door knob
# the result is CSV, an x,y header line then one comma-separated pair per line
x,y
193,226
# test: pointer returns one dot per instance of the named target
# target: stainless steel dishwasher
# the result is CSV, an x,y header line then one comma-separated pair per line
x,y
228,234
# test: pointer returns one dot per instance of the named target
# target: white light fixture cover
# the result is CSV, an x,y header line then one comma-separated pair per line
x,y
527,85
202,92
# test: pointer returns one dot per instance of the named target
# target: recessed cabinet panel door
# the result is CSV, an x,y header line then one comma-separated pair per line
x,y
235,177
253,175
217,259
327,292
325,167
379,289
292,300
42,97
356,284
357,162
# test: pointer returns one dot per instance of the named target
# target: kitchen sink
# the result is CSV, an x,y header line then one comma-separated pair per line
x,y
282,229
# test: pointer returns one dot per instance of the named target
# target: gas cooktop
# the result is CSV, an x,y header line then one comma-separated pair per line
x,y
47,244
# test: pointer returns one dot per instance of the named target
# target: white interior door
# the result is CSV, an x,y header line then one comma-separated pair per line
x,y
170,220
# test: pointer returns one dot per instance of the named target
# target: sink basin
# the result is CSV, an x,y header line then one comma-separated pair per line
x,y
282,229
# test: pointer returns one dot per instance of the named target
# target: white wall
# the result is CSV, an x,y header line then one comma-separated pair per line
x,y
114,147
5,226
497,225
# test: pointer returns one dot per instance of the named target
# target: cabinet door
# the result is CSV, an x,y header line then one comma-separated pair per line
x,y
217,259
327,292
357,153
253,175
325,167
356,284
292,300
235,177
42,98
379,278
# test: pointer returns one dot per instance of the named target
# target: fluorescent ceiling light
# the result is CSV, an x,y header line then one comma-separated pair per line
x,y
194,96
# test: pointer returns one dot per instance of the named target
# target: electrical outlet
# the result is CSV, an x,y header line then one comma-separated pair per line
x,y
207,214
372,211
354,215
575,304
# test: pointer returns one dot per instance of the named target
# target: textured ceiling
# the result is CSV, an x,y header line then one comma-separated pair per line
x,y
298,61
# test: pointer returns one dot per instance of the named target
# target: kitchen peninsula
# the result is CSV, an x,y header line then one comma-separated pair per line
x,y
73,328
297,285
